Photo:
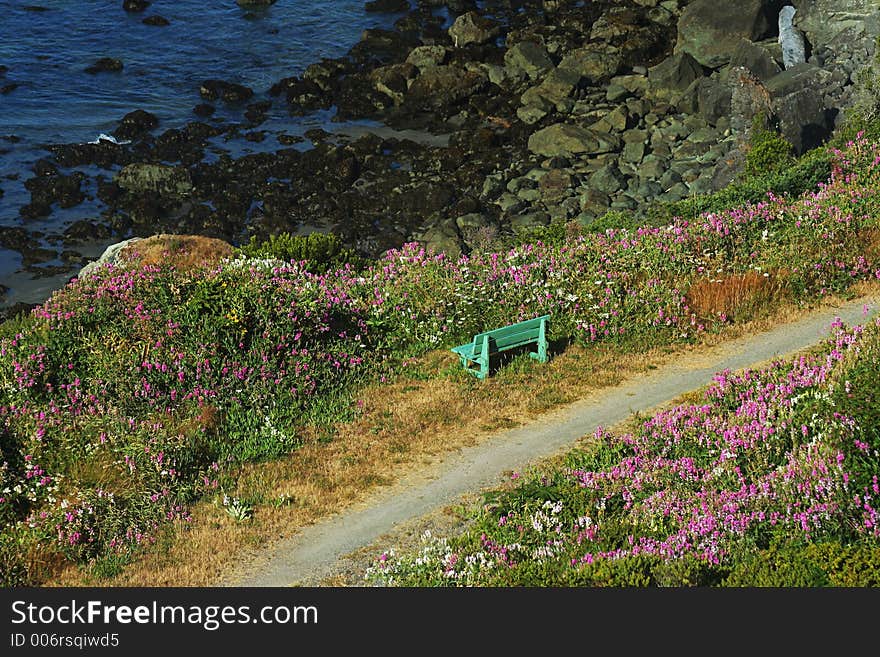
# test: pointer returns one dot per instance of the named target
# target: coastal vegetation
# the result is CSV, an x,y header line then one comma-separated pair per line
x,y
767,478
139,390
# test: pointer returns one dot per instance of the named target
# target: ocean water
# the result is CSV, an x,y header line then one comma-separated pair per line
x,y
45,46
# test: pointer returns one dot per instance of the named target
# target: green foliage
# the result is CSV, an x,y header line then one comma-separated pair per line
x,y
13,569
615,219
553,233
803,175
811,565
768,152
321,251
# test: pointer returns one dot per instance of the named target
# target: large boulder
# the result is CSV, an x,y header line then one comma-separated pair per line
x,y
797,100
393,80
596,63
423,57
710,30
556,87
110,256
563,139
668,79
527,58
439,86
471,28
708,97
755,58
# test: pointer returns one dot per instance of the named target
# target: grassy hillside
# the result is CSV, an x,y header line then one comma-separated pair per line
x,y
132,393
769,478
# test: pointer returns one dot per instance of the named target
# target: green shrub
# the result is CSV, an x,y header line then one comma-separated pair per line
x,y
768,152
812,565
617,220
321,251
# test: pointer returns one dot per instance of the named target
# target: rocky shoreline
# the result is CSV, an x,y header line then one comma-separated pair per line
x,y
532,112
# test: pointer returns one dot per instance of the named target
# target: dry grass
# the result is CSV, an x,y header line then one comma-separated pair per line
x,y
183,252
402,427
734,296
871,237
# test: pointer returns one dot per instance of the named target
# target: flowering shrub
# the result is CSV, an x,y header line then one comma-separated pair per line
x,y
766,459
130,390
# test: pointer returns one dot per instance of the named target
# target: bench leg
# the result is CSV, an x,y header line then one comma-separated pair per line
x,y
484,359
542,344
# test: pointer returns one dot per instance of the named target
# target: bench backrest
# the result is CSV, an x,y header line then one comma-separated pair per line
x,y
511,336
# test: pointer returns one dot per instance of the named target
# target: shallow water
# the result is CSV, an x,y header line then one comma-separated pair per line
x,y
56,101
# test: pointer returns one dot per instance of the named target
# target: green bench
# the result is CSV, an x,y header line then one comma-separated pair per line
x,y
475,355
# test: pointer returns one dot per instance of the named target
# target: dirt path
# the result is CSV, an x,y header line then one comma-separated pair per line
x,y
325,548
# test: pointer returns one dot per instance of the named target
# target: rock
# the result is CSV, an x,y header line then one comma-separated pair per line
x,y
846,30
228,91
608,179
790,38
595,63
636,84
556,87
675,193
633,152
557,184
530,114
709,30
652,168
708,97
521,222
8,88
594,202
156,21
105,65
443,85
614,93
471,221
49,187
755,58
109,256
749,98
427,56
135,124
394,80
158,178
668,79
135,6
797,101
728,168
85,231
563,139
509,203
254,3
387,6
527,58
257,112
471,28
614,121
204,110
19,309
443,239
